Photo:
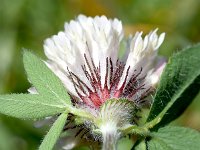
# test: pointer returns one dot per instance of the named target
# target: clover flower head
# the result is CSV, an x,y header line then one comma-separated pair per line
x,y
85,56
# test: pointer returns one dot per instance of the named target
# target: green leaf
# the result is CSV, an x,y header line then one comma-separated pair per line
x,y
174,138
54,133
28,106
179,84
139,145
124,143
44,80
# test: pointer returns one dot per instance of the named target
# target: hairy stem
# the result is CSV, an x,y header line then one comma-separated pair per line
x,y
110,138
80,112
133,129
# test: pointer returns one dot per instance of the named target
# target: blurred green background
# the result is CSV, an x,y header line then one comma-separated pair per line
x,y
26,23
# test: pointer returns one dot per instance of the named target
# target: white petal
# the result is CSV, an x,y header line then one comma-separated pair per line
x,y
97,37
142,54
154,75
